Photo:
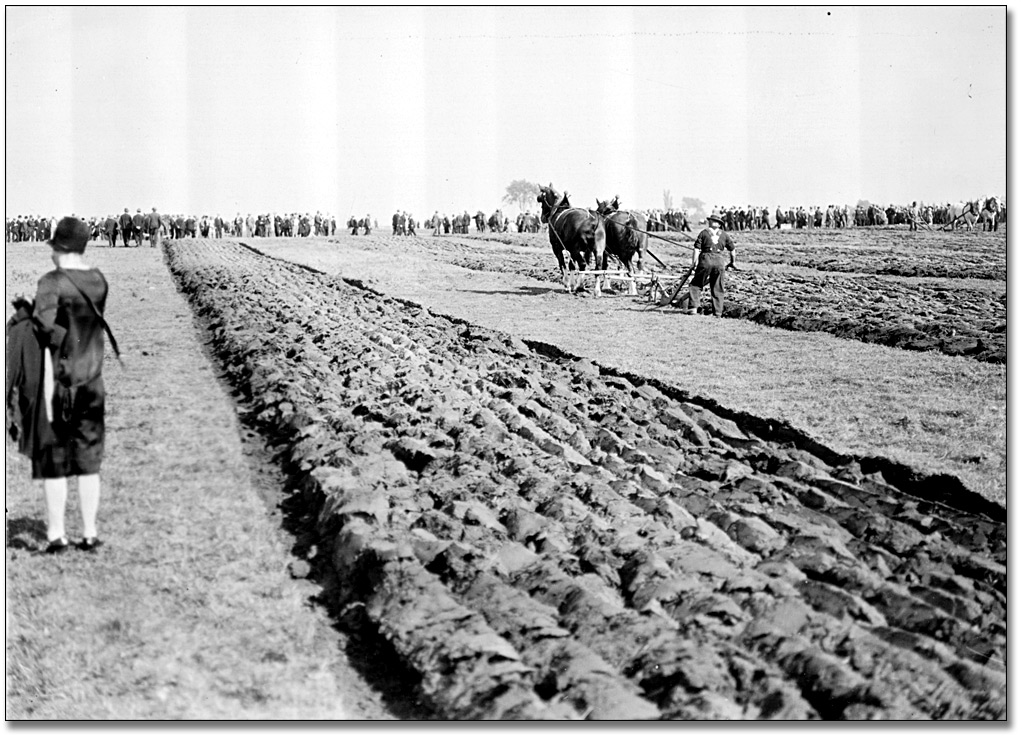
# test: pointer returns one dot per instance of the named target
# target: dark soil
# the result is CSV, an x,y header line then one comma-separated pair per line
x,y
536,537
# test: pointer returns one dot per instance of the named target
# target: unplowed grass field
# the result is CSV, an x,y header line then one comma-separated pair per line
x,y
189,611
543,505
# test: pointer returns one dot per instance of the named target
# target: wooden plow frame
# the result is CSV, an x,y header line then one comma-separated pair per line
x,y
652,285
602,279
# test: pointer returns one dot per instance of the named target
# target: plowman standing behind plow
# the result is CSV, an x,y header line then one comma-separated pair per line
x,y
709,262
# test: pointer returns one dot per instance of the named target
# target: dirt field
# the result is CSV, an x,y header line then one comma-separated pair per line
x,y
934,414
948,294
537,505
540,537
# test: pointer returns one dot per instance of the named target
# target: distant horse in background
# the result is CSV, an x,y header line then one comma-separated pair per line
x,y
990,214
626,234
571,229
966,212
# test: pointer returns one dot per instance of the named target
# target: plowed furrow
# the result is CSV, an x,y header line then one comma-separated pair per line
x,y
540,539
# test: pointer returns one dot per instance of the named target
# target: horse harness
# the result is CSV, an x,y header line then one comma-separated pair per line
x,y
553,218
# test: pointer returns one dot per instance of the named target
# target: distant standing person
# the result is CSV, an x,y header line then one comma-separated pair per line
x,y
137,227
153,223
125,227
110,228
913,217
70,300
710,263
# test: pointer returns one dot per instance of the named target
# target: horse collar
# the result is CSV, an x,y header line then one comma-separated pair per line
x,y
554,214
556,205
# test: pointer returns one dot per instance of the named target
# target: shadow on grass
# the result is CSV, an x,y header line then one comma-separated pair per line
x,y
520,291
368,651
25,533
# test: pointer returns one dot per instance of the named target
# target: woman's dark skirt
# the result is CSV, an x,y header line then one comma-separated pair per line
x,y
78,414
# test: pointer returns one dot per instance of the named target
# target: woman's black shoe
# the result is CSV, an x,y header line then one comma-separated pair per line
x,y
56,547
90,544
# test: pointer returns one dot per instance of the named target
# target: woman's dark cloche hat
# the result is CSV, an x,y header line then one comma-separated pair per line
x,y
70,236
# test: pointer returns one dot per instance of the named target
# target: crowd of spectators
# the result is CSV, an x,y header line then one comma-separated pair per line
x,y
840,216
134,229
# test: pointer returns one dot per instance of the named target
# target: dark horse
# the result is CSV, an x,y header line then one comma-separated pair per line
x,y
626,234
571,229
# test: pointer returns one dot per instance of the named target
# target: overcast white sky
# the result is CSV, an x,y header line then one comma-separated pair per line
x,y
355,110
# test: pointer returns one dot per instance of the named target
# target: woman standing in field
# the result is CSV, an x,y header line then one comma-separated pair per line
x,y
72,297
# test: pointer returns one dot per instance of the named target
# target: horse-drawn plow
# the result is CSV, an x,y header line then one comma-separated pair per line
x,y
604,280
659,288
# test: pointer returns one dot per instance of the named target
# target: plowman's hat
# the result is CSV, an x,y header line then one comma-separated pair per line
x,y
70,236
714,218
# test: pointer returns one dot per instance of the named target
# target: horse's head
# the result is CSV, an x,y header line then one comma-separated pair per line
x,y
608,206
550,201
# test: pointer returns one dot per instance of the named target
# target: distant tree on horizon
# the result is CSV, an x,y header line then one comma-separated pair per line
x,y
521,192
668,200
